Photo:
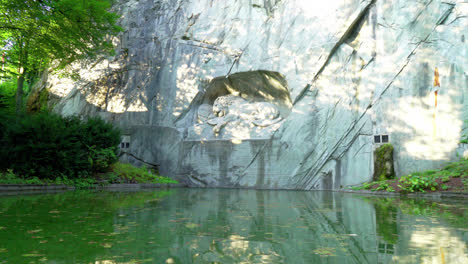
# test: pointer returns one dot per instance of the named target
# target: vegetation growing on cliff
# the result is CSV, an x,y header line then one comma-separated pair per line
x,y
453,177
383,163
36,33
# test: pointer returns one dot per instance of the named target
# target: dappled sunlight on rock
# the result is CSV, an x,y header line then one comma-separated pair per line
x,y
187,87
247,105
430,133
137,106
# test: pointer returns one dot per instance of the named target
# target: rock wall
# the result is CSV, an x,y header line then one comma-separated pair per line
x,y
339,72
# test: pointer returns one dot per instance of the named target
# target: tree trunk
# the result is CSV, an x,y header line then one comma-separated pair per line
x,y
22,73
19,94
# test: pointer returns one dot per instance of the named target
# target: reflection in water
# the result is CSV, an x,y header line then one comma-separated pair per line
x,y
229,226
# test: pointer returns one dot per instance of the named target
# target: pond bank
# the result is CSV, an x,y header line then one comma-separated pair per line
x,y
460,195
26,188
40,187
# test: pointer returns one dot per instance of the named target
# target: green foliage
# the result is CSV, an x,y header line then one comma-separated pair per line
x,y
101,159
457,169
38,101
445,178
127,173
465,182
51,30
383,186
417,183
383,157
122,173
424,181
35,33
10,178
7,95
50,146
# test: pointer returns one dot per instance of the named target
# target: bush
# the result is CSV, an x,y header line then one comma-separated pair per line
x,y
8,95
50,146
101,159
418,183
128,173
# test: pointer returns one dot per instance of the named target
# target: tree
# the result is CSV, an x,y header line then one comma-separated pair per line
x,y
35,33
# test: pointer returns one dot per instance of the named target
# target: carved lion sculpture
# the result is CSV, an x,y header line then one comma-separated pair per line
x,y
230,108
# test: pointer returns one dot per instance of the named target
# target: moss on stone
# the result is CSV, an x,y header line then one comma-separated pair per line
x,y
383,163
38,101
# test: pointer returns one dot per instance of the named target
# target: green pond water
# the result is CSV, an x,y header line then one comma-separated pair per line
x,y
230,226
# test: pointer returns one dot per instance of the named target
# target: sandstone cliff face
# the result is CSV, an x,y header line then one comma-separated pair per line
x,y
338,72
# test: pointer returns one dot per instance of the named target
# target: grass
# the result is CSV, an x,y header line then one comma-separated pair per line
x,y
10,178
453,177
127,173
119,173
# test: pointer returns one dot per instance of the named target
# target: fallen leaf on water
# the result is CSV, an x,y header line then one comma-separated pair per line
x,y
34,231
325,251
191,225
106,245
32,254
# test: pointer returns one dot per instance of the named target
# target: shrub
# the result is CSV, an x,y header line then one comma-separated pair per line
x,y
50,146
8,95
130,174
9,177
417,183
101,159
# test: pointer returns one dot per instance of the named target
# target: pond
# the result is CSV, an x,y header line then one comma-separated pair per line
x,y
230,226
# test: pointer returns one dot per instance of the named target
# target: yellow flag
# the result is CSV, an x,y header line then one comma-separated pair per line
x,y
436,78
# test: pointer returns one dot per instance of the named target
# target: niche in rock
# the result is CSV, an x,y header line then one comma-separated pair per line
x,y
243,105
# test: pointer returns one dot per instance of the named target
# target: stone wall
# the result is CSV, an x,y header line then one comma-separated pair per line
x,y
349,70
